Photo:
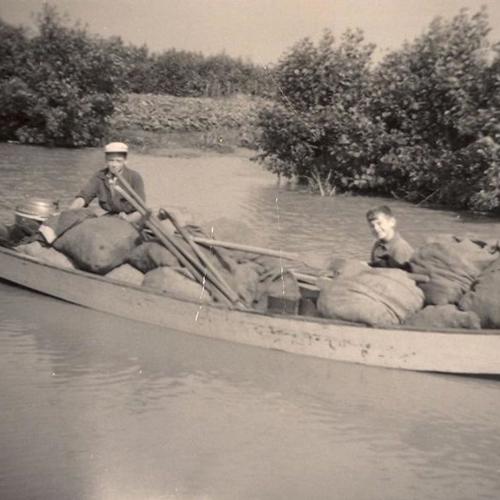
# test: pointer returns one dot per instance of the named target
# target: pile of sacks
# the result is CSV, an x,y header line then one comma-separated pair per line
x,y
112,247
374,296
463,285
454,283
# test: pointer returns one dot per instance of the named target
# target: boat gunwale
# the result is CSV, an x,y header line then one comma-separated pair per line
x,y
305,319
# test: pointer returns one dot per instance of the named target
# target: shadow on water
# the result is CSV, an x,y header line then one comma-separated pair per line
x,y
119,387
95,406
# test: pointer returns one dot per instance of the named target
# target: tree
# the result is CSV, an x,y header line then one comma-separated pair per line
x,y
319,131
62,88
440,96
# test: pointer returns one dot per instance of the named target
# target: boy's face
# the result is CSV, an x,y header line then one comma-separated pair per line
x,y
115,162
382,226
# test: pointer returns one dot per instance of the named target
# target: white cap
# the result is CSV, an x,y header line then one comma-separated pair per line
x,y
116,147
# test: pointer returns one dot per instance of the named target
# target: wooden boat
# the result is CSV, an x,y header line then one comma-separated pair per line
x,y
452,351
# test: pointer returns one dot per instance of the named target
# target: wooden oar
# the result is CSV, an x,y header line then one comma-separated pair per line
x,y
246,248
203,276
233,296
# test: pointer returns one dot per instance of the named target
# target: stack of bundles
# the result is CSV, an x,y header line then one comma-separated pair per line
x,y
447,316
374,296
152,255
176,281
452,264
127,274
271,284
484,297
98,244
262,279
46,254
253,277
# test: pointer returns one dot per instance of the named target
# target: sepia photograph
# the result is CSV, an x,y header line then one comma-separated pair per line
x,y
249,250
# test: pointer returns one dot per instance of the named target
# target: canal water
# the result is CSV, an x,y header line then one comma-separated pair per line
x,y
97,407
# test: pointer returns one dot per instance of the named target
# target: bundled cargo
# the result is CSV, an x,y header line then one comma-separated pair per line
x,y
127,274
99,244
46,254
484,297
376,297
446,316
450,273
244,280
150,255
177,282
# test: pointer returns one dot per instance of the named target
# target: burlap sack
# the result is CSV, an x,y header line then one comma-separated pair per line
x,y
484,297
127,274
150,255
175,282
46,254
376,297
451,273
447,316
99,244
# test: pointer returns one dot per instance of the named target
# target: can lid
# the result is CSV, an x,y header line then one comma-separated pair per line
x,y
37,208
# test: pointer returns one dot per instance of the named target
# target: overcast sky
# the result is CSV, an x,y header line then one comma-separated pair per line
x,y
258,29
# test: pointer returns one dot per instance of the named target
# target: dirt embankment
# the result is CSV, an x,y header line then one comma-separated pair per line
x,y
165,122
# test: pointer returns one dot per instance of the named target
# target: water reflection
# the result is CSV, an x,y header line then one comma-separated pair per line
x,y
134,411
98,407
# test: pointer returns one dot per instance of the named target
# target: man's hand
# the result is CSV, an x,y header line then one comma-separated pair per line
x,y
77,203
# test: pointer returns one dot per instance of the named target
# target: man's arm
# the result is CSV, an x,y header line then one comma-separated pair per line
x,y
86,195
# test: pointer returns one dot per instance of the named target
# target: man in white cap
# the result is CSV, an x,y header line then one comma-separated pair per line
x,y
101,184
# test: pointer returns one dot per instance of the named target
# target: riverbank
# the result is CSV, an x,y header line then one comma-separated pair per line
x,y
171,124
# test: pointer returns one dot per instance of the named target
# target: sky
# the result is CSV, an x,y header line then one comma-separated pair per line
x,y
260,30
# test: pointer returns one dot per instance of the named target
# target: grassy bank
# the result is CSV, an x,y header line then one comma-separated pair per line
x,y
152,121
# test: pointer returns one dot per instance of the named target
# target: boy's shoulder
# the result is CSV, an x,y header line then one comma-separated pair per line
x,y
400,247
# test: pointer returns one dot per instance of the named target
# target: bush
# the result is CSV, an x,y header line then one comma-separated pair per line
x,y
441,96
319,130
58,94
423,125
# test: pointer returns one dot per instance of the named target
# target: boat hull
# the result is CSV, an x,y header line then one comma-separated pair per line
x,y
457,351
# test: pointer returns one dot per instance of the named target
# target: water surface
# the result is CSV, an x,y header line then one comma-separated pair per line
x,y
97,407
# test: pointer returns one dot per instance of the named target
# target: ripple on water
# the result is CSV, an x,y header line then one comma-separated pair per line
x,y
98,407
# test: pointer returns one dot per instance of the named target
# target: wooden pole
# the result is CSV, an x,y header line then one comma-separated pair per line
x,y
176,252
206,273
246,248
208,265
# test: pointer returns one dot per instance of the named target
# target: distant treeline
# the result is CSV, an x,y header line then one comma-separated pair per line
x,y
59,85
422,125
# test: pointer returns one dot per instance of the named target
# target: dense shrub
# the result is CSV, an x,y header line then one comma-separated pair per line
x,y
441,95
319,129
424,124
62,88
187,74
